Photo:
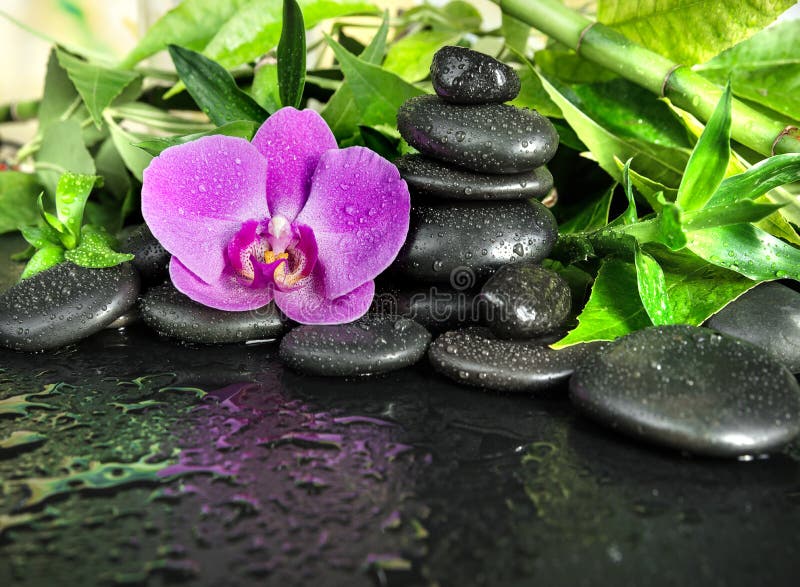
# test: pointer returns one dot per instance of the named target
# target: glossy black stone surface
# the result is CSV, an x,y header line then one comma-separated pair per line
x,y
525,300
170,313
768,316
65,304
691,389
462,244
150,258
463,76
487,138
431,179
372,344
474,357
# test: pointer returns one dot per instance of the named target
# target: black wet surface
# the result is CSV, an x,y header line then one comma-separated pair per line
x,y
275,478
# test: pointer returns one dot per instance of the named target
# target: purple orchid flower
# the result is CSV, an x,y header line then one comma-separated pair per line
x,y
288,217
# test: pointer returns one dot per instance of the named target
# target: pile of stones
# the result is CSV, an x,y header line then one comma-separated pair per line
x,y
471,271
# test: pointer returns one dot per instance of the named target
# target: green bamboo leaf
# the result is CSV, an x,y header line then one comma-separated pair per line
x,y
758,180
593,215
696,290
135,159
378,94
765,68
256,27
292,55
41,236
748,250
662,164
670,226
18,193
71,194
516,33
629,216
559,62
657,24
43,259
533,95
265,89
62,150
340,112
95,250
241,128
60,99
214,89
410,57
98,86
652,288
709,160
734,213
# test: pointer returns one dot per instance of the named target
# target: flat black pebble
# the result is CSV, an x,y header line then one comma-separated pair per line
x,y
525,300
172,314
768,316
65,304
692,389
436,307
474,357
150,258
372,344
430,178
464,243
488,138
464,76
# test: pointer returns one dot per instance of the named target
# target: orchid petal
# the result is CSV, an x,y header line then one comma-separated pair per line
x,y
195,197
227,292
292,142
308,305
359,210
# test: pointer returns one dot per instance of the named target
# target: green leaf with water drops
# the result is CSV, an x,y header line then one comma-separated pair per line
x,y
410,57
42,259
214,89
748,250
95,250
695,288
41,236
292,55
709,160
378,94
759,179
71,194
734,213
652,288
241,128
98,86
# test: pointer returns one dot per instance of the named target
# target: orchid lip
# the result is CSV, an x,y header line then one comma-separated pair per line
x,y
273,253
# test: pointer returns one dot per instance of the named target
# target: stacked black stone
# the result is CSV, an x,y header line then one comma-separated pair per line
x,y
476,183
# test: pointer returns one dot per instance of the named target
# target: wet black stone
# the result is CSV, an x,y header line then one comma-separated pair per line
x,y
768,316
464,243
172,314
524,300
151,259
436,307
429,178
487,138
64,304
464,76
372,344
692,389
473,356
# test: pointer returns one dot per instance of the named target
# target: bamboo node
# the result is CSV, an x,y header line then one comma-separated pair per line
x,y
664,83
583,34
784,133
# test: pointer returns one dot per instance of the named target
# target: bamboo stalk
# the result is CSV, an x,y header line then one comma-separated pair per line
x,y
685,88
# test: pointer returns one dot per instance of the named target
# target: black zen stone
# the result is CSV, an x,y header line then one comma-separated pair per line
x,y
692,389
474,357
464,76
487,138
768,316
172,314
65,304
430,178
436,307
464,243
525,300
150,258
372,344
